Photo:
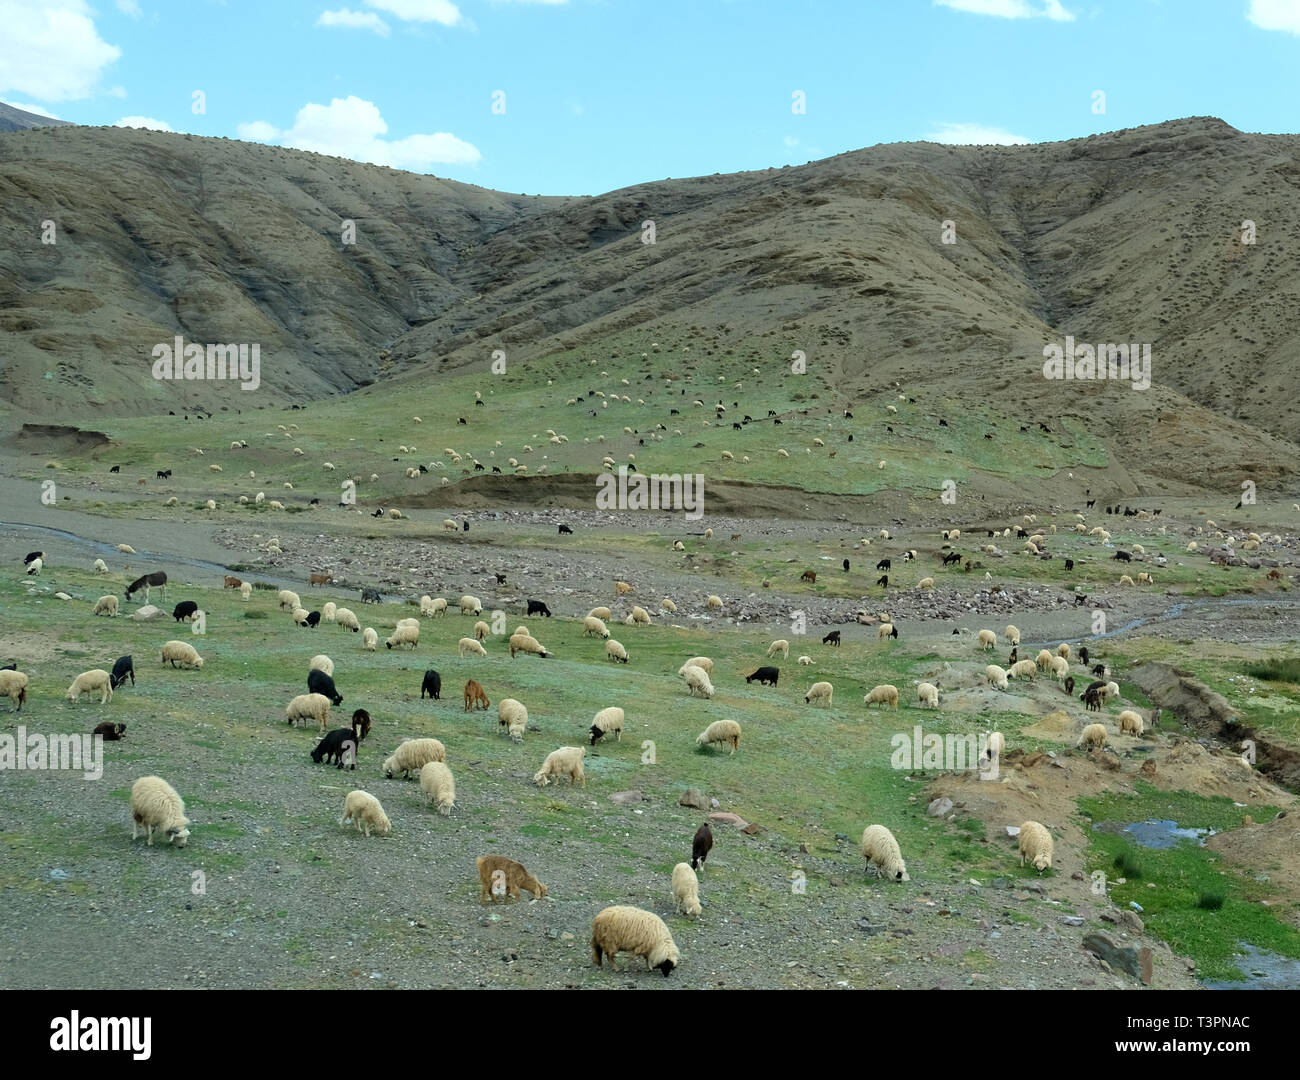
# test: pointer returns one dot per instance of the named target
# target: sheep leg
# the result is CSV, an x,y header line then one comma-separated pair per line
x,y
149,835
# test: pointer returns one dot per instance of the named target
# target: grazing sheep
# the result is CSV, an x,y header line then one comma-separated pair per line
x,y
1145,579
13,685
720,731
606,721
1044,659
782,646
88,682
997,678
512,876
884,694
765,676
99,566
622,588
886,630
106,605
1027,668
1130,723
298,615
319,682
822,692
593,625
701,845
699,662
363,809
805,660
289,600
404,635
526,643
715,603
155,804
925,583
987,639
1111,690
566,761
123,669
631,929
1035,844
697,681
110,732
880,849
345,618
686,890
667,605
1094,735
309,707
1012,635
639,616
513,716
437,782
614,651
1060,666
127,549
245,590
181,652
34,567
369,639
412,755
471,605
927,694
321,662
475,697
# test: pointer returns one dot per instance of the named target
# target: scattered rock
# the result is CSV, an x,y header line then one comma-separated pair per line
x,y
939,807
625,797
692,797
1113,956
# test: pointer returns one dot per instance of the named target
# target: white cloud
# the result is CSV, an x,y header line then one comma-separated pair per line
x,y
116,91
1011,9
354,20
1275,15
52,50
353,128
31,109
257,131
143,122
130,8
975,135
439,11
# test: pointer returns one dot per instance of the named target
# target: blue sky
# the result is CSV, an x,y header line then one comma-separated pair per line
x,y
601,94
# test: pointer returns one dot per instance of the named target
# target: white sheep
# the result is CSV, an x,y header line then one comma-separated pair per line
x,y
513,716
686,890
181,652
566,761
822,692
437,782
1060,667
720,731
321,662
13,685
369,639
639,616
309,707
805,660
925,583
600,613
345,618
155,804
90,681
593,625
106,605
34,567
404,635
997,678
780,646
245,590
1043,659
299,615
471,605
885,630
885,694
365,811
100,567
1110,690
606,721
412,755
1012,635
715,603
126,549
697,681
987,639
927,694
699,662
881,851
1035,844
1027,668
471,646
481,630
437,607
1130,722
1063,650
289,600
1094,735
631,929
666,604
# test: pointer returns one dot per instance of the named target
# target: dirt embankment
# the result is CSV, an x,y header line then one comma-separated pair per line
x,y
1209,712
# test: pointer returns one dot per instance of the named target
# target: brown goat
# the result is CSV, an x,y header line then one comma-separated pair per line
x,y
320,579
232,582
514,877
474,696
808,575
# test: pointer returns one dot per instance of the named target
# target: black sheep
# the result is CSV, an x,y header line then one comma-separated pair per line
x,y
565,529
32,556
1069,564
109,731
536,607
184,610
313,618
700,846
883,564
1083,656
116,468
846,566
338,745
1069,684
883,581
432,685
122,671
833,638
764,675
320,683
361,723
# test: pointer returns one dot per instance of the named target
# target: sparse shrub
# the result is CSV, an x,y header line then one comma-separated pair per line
x,y
1210,899
1279,669
254,614
1128,865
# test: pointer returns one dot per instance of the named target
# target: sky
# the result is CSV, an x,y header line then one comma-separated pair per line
x,y
579,97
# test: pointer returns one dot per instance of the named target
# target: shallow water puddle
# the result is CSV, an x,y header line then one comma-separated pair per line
x,y
1158,833
1264,971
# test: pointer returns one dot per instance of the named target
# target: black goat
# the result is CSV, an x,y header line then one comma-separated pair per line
x,y
320,683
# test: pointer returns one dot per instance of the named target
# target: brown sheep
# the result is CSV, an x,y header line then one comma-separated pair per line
x,y
514,877
475,697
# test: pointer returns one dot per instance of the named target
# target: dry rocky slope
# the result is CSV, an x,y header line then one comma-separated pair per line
x,y
1131,236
